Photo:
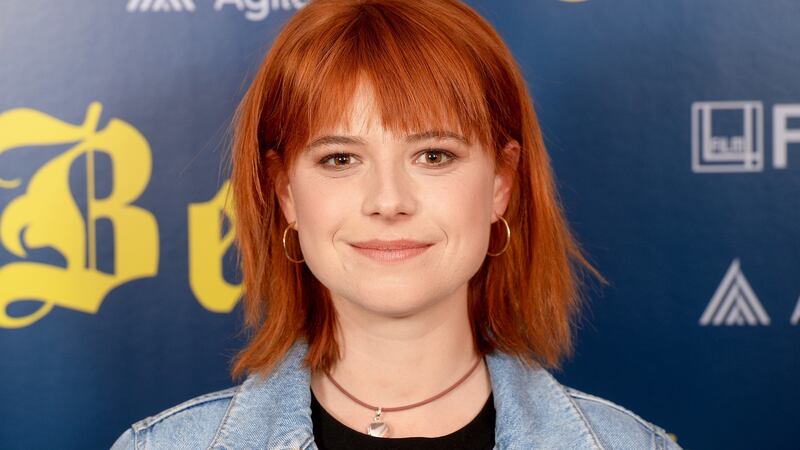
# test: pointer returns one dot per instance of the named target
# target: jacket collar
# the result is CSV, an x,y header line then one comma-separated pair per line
x,y
533,410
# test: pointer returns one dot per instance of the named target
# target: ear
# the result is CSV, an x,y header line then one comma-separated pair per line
x,y
505,177
283,190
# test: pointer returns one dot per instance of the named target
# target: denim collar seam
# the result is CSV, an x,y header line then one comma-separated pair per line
x,y
644,423
588,430
220,436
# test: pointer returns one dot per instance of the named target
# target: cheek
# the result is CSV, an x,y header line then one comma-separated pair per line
x,y
322,210
464,212
324,203
318,208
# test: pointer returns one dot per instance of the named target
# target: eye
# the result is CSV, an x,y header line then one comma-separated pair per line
x,y
340,160
434,157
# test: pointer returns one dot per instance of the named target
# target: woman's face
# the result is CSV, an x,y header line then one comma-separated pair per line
x,y
442,194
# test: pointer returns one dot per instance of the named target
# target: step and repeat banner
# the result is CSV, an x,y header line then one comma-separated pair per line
x,y
673,127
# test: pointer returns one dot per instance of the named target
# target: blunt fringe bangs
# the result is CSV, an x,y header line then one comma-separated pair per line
x,y
432,64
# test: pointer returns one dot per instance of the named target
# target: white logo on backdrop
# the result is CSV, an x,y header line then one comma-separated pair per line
x,y
729,136
160,5
739,148
782,135
734,302
796,314
256,10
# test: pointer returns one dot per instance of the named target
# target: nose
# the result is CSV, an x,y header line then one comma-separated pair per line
x,y
390,191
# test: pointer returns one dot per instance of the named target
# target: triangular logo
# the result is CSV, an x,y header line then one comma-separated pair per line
x,y
796,314
734,302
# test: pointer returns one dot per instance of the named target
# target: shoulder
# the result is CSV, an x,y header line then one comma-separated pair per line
x,y
191,424
617,427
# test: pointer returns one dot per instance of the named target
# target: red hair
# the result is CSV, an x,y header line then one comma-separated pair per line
x,y
431,64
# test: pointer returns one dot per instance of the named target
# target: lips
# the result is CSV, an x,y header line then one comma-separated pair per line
x,y
398,244
391,252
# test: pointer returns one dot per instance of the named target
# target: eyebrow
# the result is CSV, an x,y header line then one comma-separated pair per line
x,y
409,139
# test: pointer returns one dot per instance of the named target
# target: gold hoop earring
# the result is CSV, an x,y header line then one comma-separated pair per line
x,y
286,230
508,238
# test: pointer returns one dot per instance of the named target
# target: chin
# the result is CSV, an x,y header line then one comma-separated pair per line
x,y
388,304
398,311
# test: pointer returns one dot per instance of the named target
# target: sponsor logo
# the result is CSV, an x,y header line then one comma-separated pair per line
x,y
734,302
736,147
211,235
728,136
257,10
160,5
782,134
45,214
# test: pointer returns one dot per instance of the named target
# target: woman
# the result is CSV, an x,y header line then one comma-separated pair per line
x,y
408,271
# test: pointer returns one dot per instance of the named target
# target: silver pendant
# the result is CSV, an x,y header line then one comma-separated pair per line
x,y
378,428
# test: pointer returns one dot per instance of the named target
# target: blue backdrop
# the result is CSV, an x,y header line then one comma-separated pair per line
x,y
674,129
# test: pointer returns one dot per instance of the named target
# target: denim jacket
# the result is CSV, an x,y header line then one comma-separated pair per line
x,y
533,411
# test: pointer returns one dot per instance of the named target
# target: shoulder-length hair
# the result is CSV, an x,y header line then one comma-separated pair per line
x,y
431,63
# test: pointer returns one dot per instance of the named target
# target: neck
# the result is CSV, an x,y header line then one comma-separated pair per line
x,y
396,361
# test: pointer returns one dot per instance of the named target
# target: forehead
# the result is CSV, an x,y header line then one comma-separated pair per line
x,y
362,117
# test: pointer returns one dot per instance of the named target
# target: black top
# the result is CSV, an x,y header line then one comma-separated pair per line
x,y
330,434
